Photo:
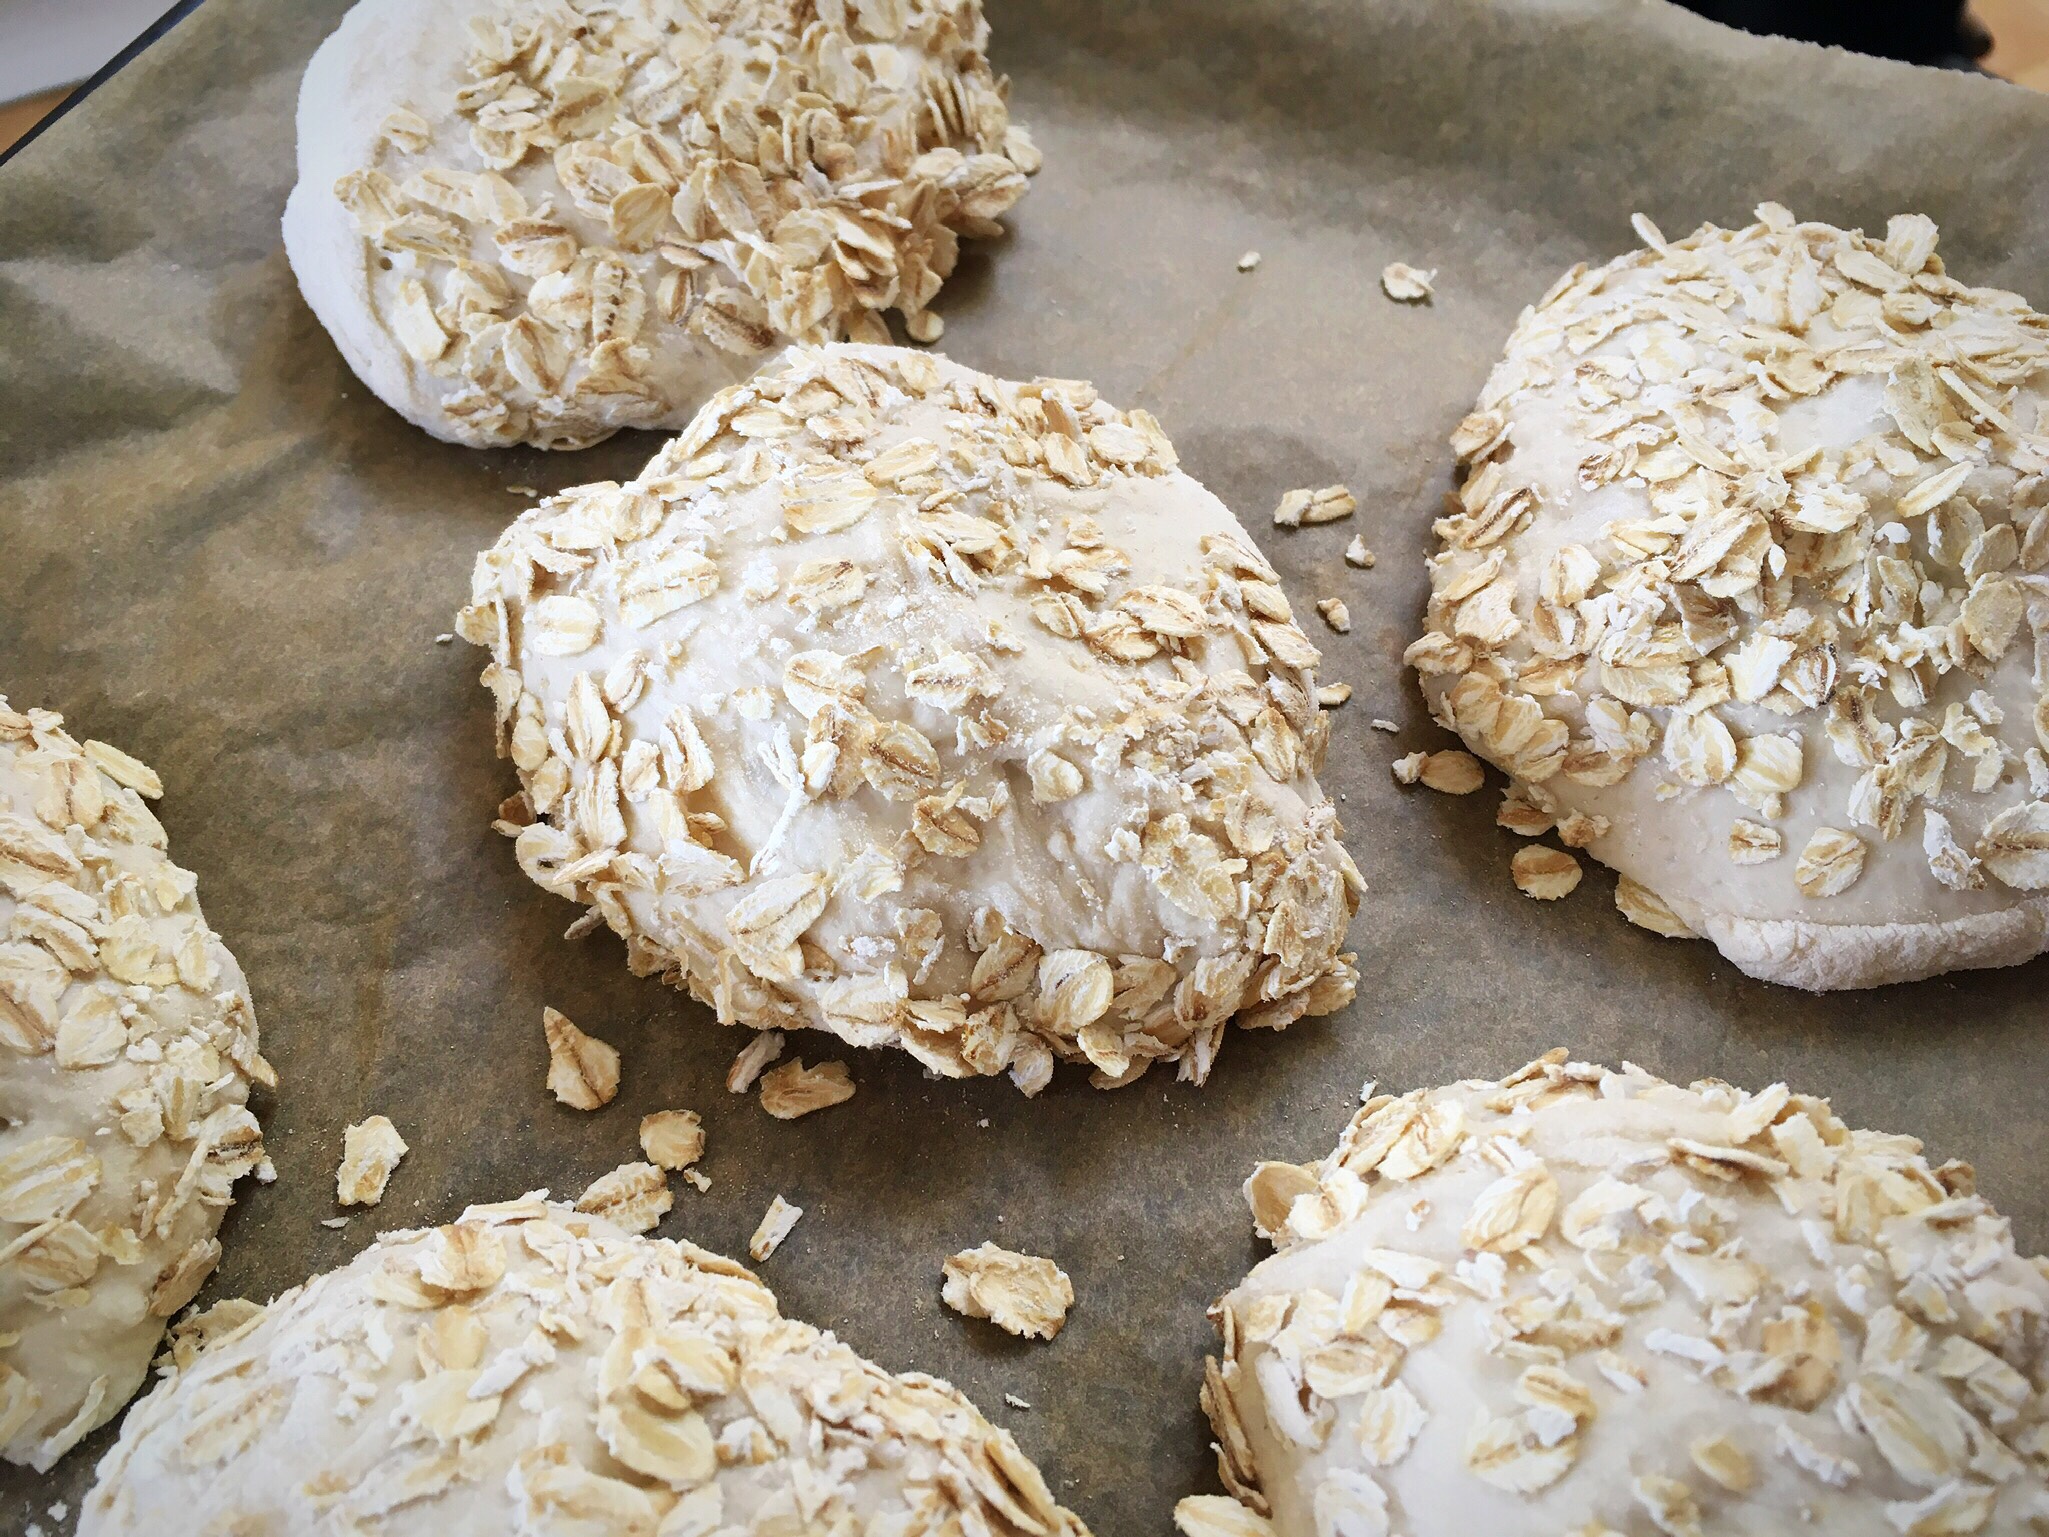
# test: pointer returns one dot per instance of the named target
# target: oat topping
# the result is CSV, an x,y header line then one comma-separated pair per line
x,y
1818,579
634,1196
371,1150
1448,773
583,1072
1626,1306
672,1139
1406,284
932,710
130,1050
1019,1293
533,1368
1544,873
794,1090
610,211
1304,508
756,1055
775,1226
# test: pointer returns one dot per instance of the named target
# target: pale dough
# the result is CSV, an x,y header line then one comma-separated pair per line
x,y
1582,1301
1753,549
540,221
930,709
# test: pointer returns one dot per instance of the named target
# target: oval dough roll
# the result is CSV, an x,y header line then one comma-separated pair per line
x,y
1748,584
127,1049
930,709
531,1369
539,221
1584,1303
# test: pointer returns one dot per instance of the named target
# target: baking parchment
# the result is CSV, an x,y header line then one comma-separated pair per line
x,y
219,552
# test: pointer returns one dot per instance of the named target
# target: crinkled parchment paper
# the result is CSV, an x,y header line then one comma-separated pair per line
x,y
217,551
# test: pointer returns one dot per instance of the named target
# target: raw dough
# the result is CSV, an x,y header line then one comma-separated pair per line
x,y
930,709
1583,1301
532,1369
1752,561
127,1048
539,221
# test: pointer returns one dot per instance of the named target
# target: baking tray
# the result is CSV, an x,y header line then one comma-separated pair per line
x,y
218,551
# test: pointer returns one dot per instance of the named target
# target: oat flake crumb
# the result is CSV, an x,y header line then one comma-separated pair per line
x,y
1335,614
1021,1294
1248,261
370,1151
672,1139
775,1227
1406,284
1303,507
583,1072
1544,873
794,1090
1331,695
753,1057
1356,553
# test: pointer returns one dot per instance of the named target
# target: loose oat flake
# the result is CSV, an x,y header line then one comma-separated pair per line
x,y
1019,1293
1406,284
775,1226
371,1150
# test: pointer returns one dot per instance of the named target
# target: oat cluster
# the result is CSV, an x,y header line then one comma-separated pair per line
x,y
929,709
615,187
129,1050
1591,1302
531,1369
1766,511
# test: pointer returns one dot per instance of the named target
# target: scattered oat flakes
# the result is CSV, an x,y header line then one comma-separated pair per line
x,y
1356,553
1248,261
765,1048
1752,843
1331,695
1522,816
1579,829
1406,284
794,1090
1647,910
1019,1293
1335,614
1451,772
775,1227
371,1149
1015,1402
672,1139
1544,873
1303,507
334,1222
1382,723
634,1195
583,1072
1830,863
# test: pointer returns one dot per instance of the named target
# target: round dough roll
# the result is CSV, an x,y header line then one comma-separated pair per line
x,y
532,1369
1748,579
1593,1303
930,709
127,1048
539,221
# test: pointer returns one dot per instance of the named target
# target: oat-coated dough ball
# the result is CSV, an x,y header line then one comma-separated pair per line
x,y
1750,573
1583,1303
530,1369
539,221
930,709
127,1048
